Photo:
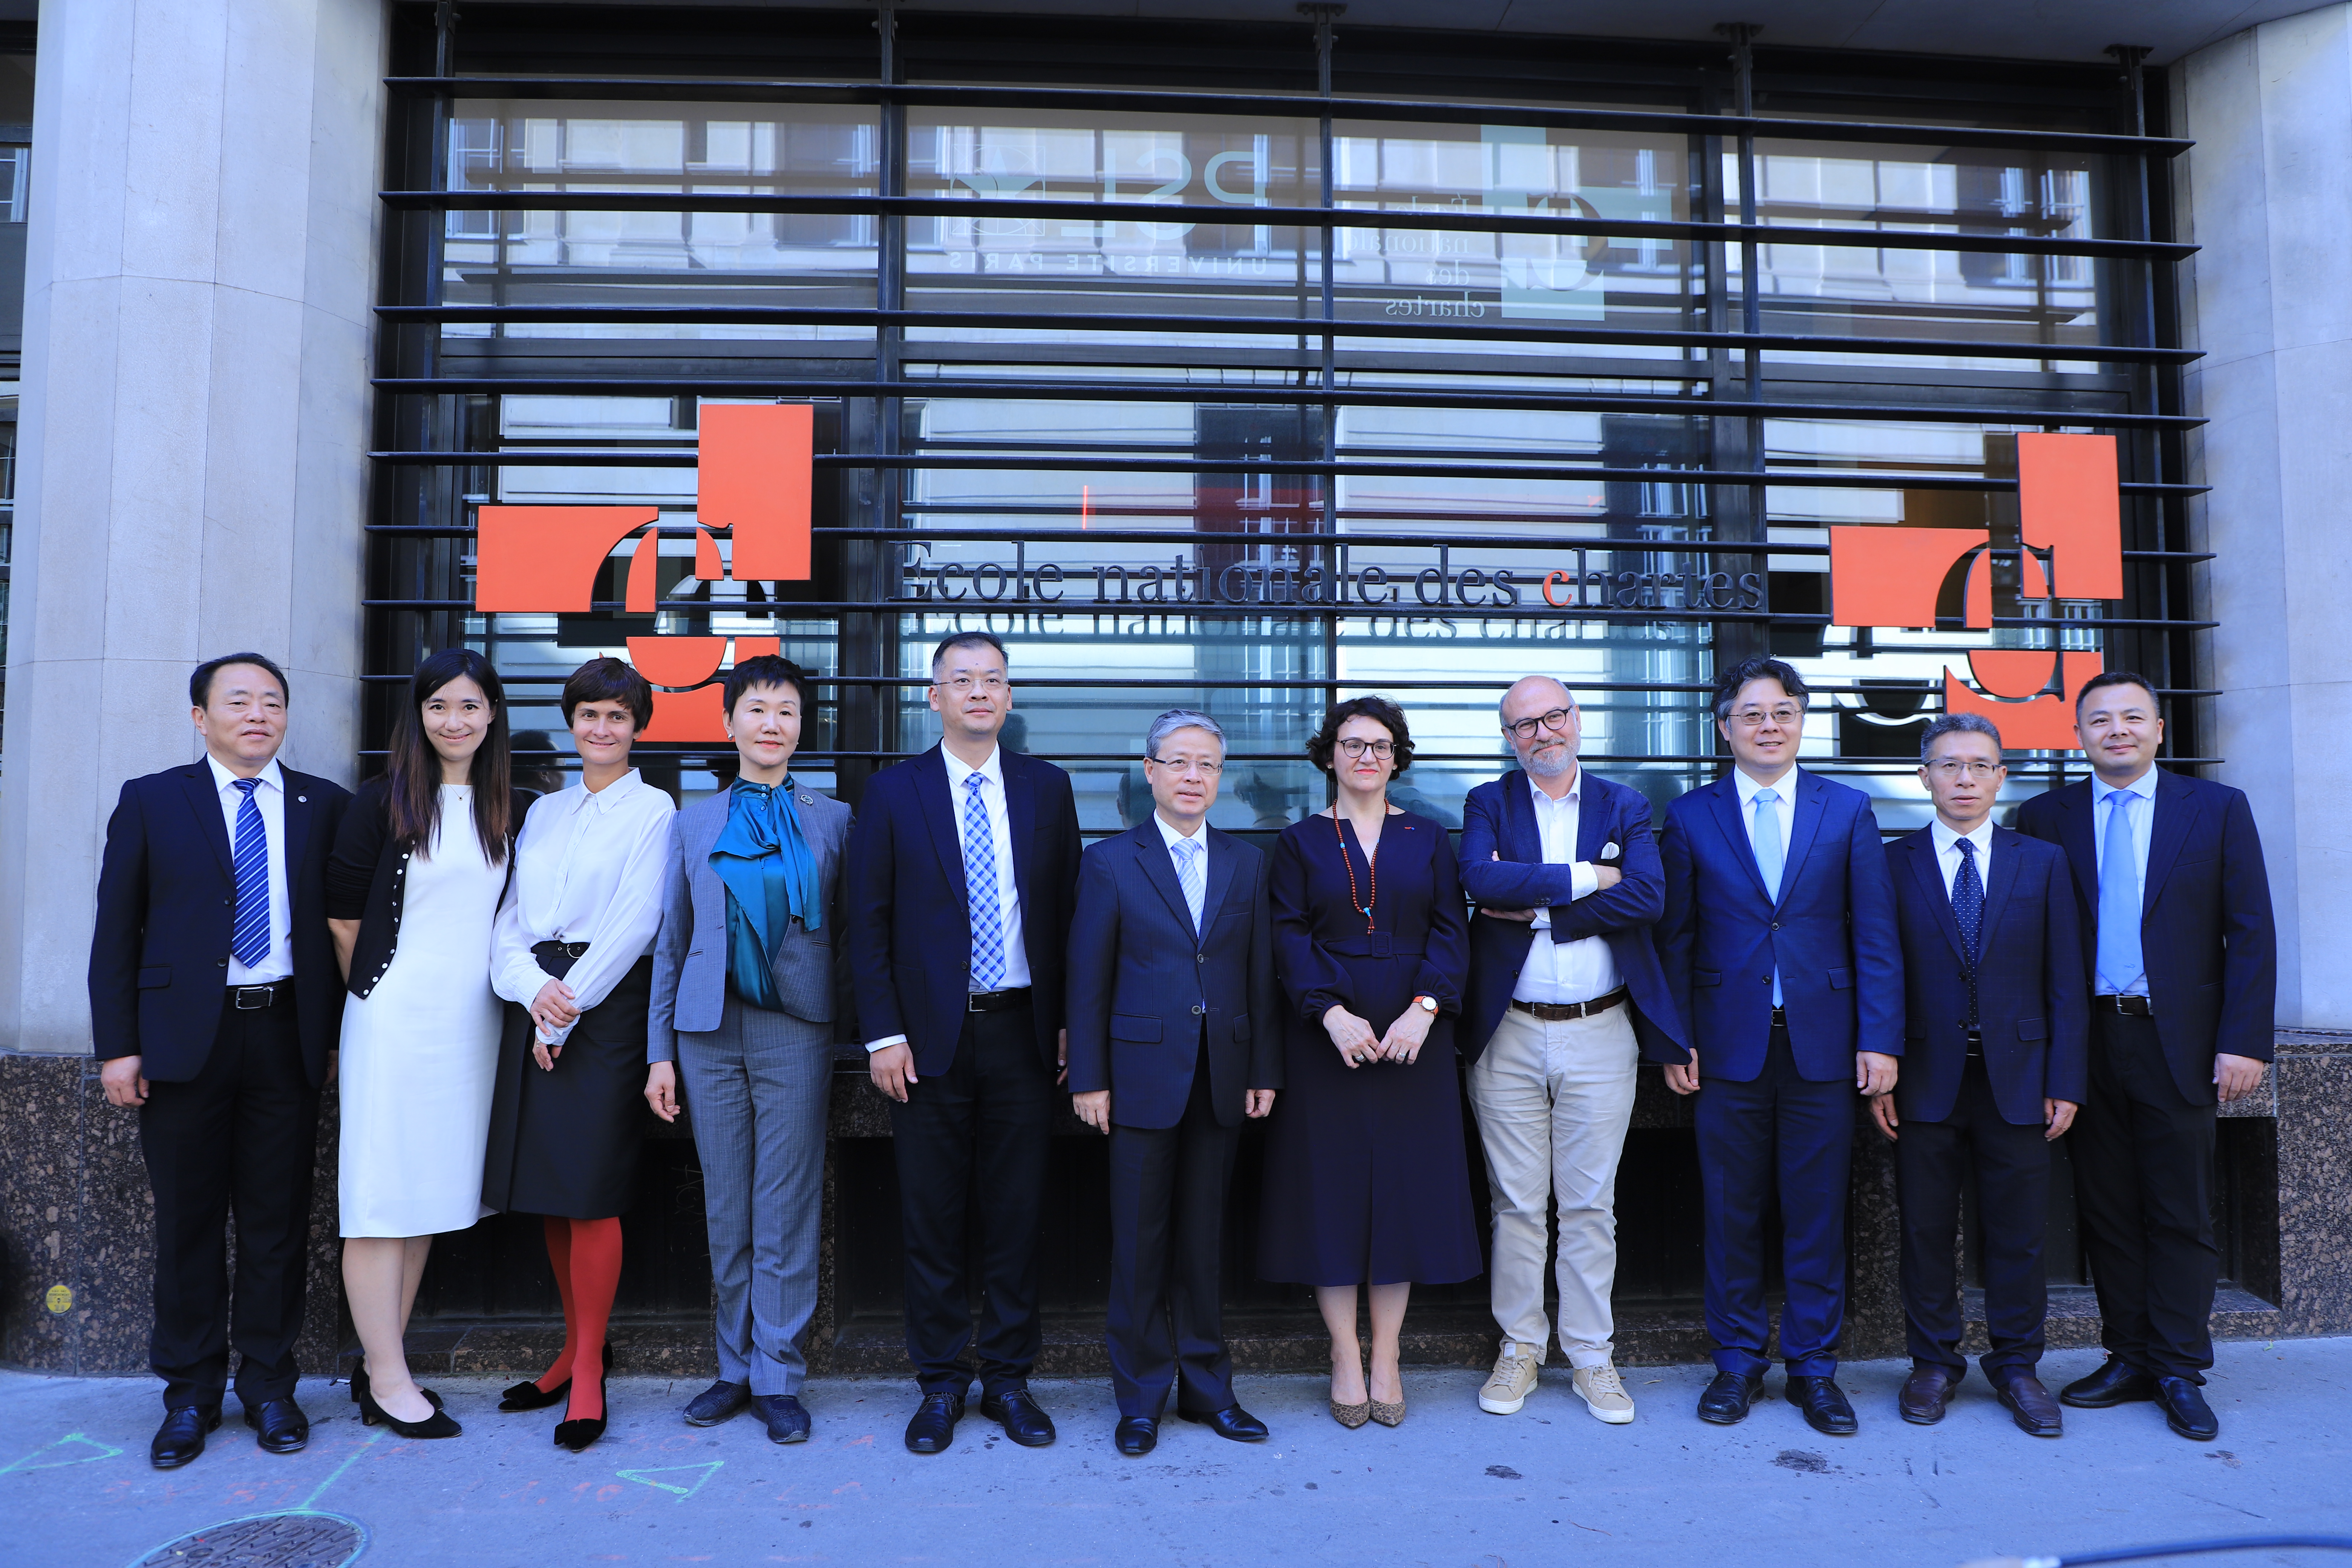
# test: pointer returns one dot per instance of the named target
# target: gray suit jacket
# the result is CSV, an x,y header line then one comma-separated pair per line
x,y
690,953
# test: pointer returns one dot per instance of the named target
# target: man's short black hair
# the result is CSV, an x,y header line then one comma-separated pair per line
x,y
608,679
200,684
769,669
968,639
2113,678
1727,685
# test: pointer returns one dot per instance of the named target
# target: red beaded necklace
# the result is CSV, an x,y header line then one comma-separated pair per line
x,y
1371,864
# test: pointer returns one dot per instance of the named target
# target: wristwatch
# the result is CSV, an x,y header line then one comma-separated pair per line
x,y
1426,1004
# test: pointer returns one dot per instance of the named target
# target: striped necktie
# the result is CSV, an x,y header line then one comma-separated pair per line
x,y
249,938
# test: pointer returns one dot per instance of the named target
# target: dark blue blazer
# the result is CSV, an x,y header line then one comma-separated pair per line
x,y
1499,818
909,927
1832,933
167,904
1146,990
2205,919
2032,1008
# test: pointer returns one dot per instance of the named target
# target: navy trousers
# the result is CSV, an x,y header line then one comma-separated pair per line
x,y
2009,1166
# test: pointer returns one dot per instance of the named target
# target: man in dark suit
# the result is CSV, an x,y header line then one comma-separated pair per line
x,y
2182,962
1565,995
215,1004
1994,1059
962,868
1780,948
1174,1038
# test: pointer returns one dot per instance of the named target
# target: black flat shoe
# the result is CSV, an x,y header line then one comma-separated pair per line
x,y
716,1403
2117,1382
1231,1422
1824,1404
1021,1417
1135,1436
181,1437
787,1422
2185,1410
1728,1398
578,1433
437,1424
934,1426
528,1395
360,1391
283,1427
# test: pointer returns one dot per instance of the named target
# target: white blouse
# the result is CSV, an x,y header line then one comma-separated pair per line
x,y
588,867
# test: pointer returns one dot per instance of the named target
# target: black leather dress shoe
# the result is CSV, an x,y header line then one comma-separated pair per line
x,y
1824,1404
1927,1394
181,1437
284,1429
1231,1422
716,1403
932,1428
1021,1417
787,1422
2117,1382
1135,1436
2185,1410
2029,1404
1727,1399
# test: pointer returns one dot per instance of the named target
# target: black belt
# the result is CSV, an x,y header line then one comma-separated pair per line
x,y
996,1001
1780,1020
550,949
253,998
1560,1012
1976,1042
2129,1006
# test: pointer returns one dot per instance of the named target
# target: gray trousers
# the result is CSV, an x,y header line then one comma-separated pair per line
x,y
755,1090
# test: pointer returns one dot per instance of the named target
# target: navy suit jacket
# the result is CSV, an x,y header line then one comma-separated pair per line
x,y
1499,818
1146,990
2032,1008
166,906
909,927
2205,919
1831,932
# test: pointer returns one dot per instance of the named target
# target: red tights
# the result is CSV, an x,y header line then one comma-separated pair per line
x,y
586,1254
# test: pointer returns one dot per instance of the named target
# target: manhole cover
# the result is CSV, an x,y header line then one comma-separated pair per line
x,y
265,1541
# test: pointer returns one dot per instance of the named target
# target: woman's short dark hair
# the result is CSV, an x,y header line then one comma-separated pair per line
x,y
769,669
413,773
200,684
1381,711
609,679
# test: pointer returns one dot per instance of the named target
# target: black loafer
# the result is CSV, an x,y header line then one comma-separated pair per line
x,y
1017,1411
284,1429
718,1402
1728,1398
1135,1436
787,1422
1231,1422
1927,1393
1824,1404
2029,1404
2117,1382
2185,1410
934,1426
181,1437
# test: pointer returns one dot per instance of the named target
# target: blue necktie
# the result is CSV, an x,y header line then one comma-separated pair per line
x,y
1968,910
249,935
1768,858
980,888
1187,877
2121,968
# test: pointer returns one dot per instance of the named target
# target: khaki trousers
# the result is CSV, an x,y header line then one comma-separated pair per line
x,y
1553,1101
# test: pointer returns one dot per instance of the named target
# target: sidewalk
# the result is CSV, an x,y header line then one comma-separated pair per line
x,y
1453,1487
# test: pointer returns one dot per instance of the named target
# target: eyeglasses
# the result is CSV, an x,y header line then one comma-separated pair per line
x,y
963,684
1785,715
1525,729
1352,747
1951,768
1203,766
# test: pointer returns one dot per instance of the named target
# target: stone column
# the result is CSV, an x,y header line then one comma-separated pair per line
x,y
192,470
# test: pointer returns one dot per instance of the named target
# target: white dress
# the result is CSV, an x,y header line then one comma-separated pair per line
x,y
420,1051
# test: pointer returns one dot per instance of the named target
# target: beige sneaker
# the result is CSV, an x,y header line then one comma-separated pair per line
x,y
1514,1376
1604,1392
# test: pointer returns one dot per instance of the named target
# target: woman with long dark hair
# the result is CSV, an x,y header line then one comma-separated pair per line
x,y
413,889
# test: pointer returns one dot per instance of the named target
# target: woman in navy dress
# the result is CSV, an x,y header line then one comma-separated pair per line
x,y
1365,1179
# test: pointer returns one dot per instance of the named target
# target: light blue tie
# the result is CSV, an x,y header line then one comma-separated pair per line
x,y
250,933
980,888
1187,877
2122,970
1768,858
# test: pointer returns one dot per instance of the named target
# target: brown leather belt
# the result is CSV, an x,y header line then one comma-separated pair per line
x,y
1561,1012
2129,1006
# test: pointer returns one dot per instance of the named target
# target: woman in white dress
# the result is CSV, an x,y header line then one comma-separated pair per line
x,y
413,889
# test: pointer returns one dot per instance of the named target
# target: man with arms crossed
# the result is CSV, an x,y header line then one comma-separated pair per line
x,y
1780,948
2175,910
1565,995
1993,1067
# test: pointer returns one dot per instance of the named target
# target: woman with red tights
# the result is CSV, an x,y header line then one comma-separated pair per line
x,y
570,957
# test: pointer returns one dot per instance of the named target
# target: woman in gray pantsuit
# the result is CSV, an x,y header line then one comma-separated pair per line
x,y
741,1028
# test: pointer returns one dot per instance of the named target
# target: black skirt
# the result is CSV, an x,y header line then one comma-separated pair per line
x,y
565,1142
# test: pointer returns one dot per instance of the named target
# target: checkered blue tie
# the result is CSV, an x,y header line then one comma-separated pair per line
x,y
980,888
1187,877
249,936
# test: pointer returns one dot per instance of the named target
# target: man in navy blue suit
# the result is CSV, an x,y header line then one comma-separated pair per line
x,y
215,1004
1175,1038
963,868
1994,1059
2182,962
1565,995
1779,950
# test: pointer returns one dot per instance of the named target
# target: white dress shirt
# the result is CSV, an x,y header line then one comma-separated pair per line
x,y
271,798
588,866
1564,972
1947,851
2143,827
